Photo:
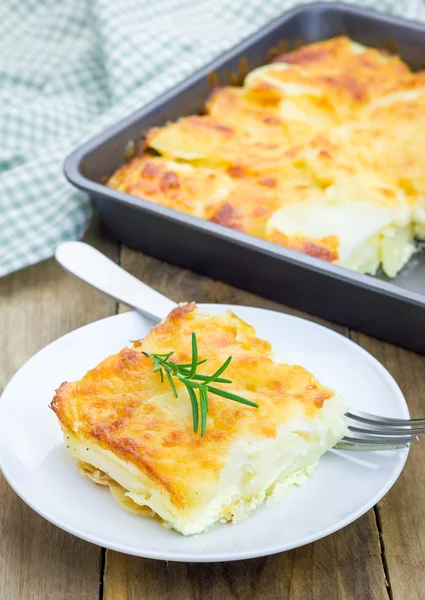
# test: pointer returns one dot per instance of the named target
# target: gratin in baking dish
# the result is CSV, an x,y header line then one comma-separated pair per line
x,y
392,310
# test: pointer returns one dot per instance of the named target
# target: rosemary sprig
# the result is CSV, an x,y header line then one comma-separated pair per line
x,y
193,381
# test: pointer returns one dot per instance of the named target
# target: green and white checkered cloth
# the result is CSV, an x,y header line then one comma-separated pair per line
x,y
70,68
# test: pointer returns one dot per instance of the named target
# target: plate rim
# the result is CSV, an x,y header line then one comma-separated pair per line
x,y
232,556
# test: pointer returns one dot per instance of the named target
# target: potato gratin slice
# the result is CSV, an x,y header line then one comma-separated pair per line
x,y
128,431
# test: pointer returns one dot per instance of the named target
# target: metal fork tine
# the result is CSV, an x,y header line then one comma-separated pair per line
x,y
381,441
364,417
372,433
390,432
343,445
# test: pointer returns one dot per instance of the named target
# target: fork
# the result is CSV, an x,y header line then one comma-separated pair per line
x,y
370,432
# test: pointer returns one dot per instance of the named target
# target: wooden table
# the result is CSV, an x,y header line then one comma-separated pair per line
x,y
381,556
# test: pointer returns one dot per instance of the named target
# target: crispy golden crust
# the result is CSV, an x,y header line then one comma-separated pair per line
x,y
122,406
261,121
171,184
353,75
390,138
331,118
248,206
325,248
204,140
239,201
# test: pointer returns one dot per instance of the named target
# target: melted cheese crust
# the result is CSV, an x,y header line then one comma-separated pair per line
x,y
129,431
329,124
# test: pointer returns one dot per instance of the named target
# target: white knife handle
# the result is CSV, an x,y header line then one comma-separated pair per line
x,y
93,267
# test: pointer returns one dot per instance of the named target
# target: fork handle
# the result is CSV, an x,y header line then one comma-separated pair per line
x,y
93,267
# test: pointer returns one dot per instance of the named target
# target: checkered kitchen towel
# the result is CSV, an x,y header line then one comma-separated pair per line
x,y
70,68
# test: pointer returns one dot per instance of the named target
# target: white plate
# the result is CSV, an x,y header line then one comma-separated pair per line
x,y
35,462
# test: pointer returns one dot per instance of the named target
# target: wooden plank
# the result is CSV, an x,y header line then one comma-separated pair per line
x,y
344,566
402,512
38,561
340,567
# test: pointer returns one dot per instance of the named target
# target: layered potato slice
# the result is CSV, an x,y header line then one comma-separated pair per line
x,y
346,214
335,77
128,431
206,141
267,117
390,138
360,235
385,140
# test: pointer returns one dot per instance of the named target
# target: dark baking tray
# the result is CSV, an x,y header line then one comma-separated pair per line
x,y
391,310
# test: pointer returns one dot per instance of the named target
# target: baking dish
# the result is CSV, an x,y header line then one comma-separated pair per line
x,y
388,309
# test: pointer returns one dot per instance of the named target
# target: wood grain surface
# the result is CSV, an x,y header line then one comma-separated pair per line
x,y
379,557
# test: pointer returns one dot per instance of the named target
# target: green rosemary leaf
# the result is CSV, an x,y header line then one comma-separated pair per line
x,y
189,382
158,368
173,366
171,382
200,377
194,355
202,402
195,410
231,396
219,371
188,365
